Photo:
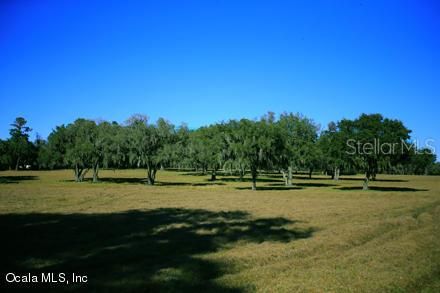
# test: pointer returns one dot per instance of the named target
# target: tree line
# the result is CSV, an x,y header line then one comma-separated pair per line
x,y
289,143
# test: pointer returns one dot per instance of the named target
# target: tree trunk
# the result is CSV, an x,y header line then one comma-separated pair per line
x,y
284,177
82,174
366,179
150,180
17,164
336,174
95,172
289,176
241,173
151,176
365,186
310,173
254,180
213,175
77,173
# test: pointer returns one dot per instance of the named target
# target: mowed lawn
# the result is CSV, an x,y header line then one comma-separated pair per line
x,y
191,234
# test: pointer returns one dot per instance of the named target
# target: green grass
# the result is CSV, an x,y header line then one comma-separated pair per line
x,y
191,234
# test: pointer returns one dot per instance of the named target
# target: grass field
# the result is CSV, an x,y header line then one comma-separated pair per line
x,y
191,234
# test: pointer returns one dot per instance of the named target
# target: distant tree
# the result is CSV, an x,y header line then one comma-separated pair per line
x,y
372,141
209,148
115,151
259,145
80,147
332,145
42,156
299,135
54,153
313,158
421,161
5,155
434,169
234,158
198,154
180,147
146,143
174,151
20,147
108,146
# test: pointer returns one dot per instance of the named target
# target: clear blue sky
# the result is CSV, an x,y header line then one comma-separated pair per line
x,y
201,62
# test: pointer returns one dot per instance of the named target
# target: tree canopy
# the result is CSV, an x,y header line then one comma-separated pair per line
x,y
289,143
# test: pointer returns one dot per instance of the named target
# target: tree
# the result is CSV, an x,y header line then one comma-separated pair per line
x,y
106,146
5,155
146,143
198,154
174,152
42,156
299,135
332,146
312,158
115,145
434,169
19,145
421,161
234,160
56,149
80,147
208,148
373,141
257,143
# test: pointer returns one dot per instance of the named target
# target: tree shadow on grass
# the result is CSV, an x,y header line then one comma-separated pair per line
x,y
208,183
271,187
312,184
382,188
195,174
122,180
117,180
15,179
246,179
161,183
209,172
149,251
140,180
314,177
376,180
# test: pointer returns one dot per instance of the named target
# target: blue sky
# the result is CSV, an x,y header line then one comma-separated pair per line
x,y
201,62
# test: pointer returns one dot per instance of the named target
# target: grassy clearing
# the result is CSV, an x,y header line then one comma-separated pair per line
x,y
189,233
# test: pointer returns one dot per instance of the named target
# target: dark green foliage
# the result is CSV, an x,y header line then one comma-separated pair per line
x,y
208,148
300,151
332,144
373,142
257,144
19,146
81,153
434,169
5,155
147,144
422,161
286,145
